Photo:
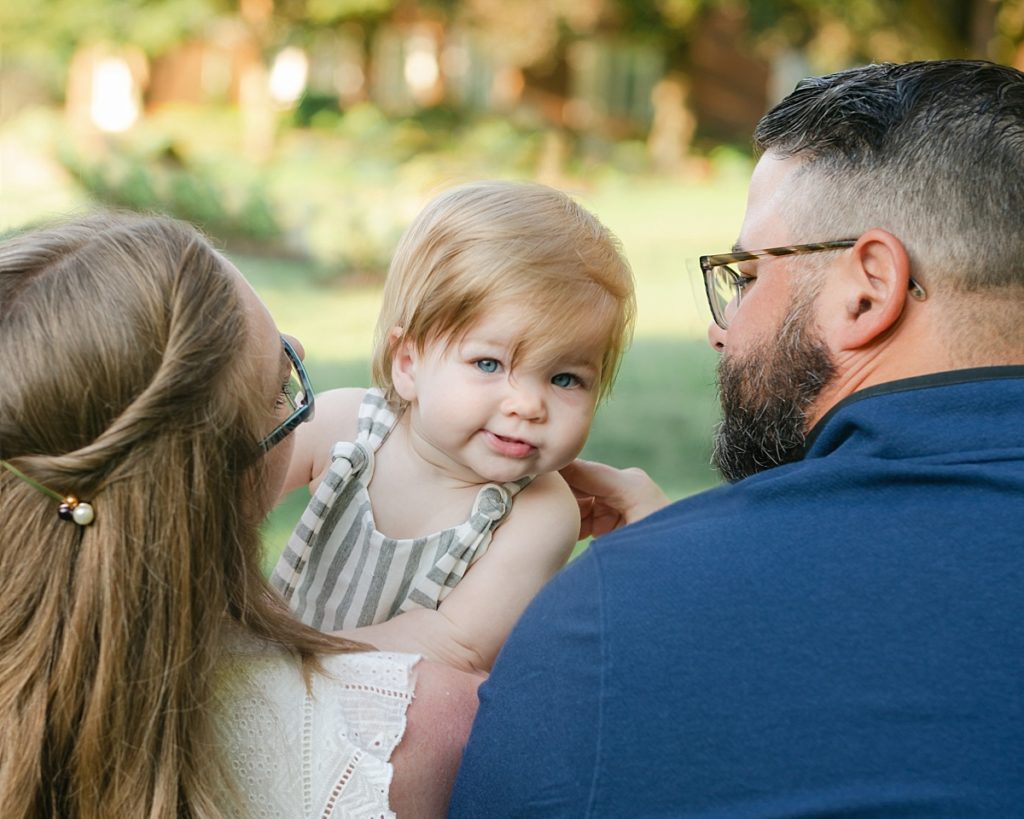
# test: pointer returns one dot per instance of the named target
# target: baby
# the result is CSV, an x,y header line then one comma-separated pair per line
x,y
506,311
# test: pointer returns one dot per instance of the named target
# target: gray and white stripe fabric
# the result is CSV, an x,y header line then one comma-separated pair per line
x,y
337,571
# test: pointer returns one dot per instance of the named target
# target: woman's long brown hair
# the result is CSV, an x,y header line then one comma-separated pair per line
x,y
125,381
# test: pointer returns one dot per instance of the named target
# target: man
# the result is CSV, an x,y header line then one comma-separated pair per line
x,y
840,629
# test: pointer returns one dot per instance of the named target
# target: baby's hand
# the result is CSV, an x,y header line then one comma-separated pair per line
x,y
609,497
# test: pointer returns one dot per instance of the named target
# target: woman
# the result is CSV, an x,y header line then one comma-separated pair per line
x,y
146,669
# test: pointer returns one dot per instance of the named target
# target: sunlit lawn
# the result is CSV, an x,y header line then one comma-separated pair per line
x,y
663,408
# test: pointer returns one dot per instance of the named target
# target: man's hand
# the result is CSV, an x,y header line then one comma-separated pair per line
x,y
609,497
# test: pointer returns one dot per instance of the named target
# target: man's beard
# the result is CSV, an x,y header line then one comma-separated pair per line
x,y
765,396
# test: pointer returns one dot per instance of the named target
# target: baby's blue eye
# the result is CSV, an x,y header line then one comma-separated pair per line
x,y
488,365
565,380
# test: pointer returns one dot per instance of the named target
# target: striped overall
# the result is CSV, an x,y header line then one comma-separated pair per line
x,y
337,571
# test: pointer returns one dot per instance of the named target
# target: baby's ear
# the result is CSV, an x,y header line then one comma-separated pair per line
x,y
404,357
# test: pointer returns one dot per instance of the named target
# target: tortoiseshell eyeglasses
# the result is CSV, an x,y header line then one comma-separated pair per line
x,y
724,285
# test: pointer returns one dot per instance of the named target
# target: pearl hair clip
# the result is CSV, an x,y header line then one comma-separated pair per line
x,y
71,508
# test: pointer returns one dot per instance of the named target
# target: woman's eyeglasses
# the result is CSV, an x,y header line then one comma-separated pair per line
x,y
298,393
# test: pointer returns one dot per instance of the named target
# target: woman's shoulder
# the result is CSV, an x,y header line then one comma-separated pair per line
x,y
276,671
381,673
325,737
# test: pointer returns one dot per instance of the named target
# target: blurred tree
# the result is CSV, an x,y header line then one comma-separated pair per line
x,y
672,23
41,41
59,26
319,12
590,65
1009,35
713,53
302,19
837,33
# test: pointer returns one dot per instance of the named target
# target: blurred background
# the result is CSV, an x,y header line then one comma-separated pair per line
x,y
303,135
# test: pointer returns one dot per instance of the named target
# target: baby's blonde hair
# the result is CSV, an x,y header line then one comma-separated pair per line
x,y
485,244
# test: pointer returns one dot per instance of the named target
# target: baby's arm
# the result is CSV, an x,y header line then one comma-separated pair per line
x,y
473,621
334,419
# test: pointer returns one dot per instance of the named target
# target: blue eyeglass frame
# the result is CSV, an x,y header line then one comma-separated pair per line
x,y
303,412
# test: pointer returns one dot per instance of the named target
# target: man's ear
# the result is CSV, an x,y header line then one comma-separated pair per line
x,y
404,358
869,290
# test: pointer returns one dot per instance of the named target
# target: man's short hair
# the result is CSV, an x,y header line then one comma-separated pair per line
x,y
931,151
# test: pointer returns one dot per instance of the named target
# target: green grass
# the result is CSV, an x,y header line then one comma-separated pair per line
x,y
662,411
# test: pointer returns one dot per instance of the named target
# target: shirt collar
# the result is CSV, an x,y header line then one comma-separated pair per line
x,y
950,377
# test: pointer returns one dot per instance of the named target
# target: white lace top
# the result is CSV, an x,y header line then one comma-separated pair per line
x,y
312,755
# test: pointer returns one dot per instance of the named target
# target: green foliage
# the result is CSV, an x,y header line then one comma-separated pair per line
x,y
678,13
338,195
319,110
661,18
257,218
155,184
837,33
29,25
330,11
379,171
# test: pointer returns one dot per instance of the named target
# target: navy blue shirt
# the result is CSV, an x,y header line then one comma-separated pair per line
x,y
840,636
